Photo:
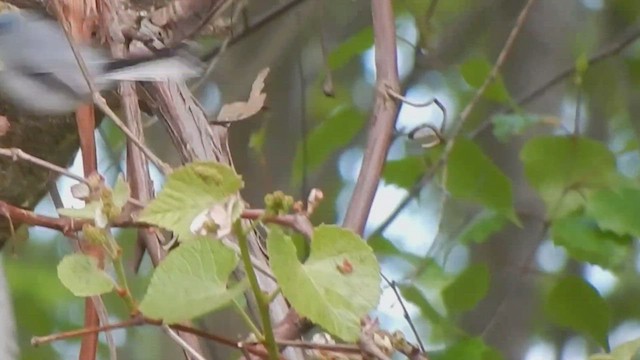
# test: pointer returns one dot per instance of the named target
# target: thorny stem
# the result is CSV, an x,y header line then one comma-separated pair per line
x,y
263,304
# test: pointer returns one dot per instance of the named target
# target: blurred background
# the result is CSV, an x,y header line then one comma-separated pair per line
x,y
306,139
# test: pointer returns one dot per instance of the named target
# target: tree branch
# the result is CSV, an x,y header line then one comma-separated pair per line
x,y
382,121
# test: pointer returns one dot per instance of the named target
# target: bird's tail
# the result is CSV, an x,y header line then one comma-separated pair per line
x,y
166,64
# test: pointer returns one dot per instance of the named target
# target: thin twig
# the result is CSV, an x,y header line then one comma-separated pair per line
x,y
493,74
40,340
212,63
15,153
101,103
394,287
602,55
183,344
255,27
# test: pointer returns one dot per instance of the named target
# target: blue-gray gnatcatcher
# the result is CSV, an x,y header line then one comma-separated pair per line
x,y
40,74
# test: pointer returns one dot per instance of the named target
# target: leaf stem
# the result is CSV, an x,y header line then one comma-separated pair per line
x,y
248,320
122,281
274,294
263,303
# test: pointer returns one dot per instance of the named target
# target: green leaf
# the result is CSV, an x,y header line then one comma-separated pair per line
x,y
624,351
485,224
507,125
468,349
585,241
415,296
88,212
467,289
472,176
404,172
334,133
188,192
352,47
337,285
616,210
576,304
191,281
81,275
383,246
121,192
560,168
475,71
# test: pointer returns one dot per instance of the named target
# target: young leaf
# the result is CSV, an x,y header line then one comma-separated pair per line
x,y
467,289
559,167
585,241
89,211
337,285
475,71
81,275
473,176
574,303
329,136
121,192
189,191
616,210
191,281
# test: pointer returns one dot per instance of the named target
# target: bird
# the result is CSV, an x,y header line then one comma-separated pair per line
x,y
40,74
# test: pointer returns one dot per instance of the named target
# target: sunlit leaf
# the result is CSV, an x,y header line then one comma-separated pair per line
x,y
337,285
559,168
188,192
585,241
576,304
191,281
472,176
467,289
81,275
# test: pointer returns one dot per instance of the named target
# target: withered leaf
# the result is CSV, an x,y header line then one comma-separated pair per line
x,y
241,110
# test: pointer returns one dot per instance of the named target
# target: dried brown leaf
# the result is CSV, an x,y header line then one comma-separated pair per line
x,y
241,110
